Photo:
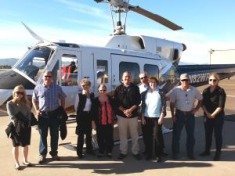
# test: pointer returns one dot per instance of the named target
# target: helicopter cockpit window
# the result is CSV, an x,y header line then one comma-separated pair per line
x,y
102,71
34,62
131,67
67,76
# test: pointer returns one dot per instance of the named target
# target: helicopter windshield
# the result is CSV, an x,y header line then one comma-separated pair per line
x,y
34,62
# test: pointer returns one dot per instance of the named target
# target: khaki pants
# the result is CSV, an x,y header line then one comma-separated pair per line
x,y
132,124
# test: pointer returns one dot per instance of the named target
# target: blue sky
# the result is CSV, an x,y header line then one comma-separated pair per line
x,y
207,24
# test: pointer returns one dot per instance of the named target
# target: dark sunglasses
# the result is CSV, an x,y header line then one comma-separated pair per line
x,y
102,90
143,77
47,76
20,93
214,80
185,80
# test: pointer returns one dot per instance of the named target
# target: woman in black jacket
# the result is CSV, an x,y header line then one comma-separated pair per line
x,y
102,110
214,98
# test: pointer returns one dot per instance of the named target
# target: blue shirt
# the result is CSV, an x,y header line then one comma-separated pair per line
x,y
48,97
153,104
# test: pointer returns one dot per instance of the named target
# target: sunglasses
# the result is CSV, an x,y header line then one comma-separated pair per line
x,y
20,93
214,80
185,80
143,77
47,76
102,90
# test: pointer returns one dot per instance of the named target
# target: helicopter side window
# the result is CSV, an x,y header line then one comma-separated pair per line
x,y
133,68
68,74
152,70
102,71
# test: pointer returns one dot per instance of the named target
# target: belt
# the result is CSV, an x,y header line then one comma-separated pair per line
x,y
184,112
47,112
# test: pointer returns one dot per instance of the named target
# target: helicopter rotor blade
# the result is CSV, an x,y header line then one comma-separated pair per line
x,y
155,17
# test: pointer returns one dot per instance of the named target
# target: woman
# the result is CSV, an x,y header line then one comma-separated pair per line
x,y
19,111
153,112
214,98
103,121
83,103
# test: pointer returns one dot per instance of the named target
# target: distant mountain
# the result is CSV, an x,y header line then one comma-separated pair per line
x,y
8,61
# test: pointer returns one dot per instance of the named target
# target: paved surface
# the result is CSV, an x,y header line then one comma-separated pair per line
x,y
70,165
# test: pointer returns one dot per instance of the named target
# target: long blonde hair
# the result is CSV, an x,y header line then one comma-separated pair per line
x,y
24,100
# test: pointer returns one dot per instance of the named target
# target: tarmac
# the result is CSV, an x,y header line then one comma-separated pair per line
x,y
91,165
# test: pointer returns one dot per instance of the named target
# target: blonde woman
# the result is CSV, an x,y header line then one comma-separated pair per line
x,y
82,105
214,98
19,112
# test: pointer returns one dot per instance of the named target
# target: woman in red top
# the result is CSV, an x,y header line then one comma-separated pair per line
x,y
103,121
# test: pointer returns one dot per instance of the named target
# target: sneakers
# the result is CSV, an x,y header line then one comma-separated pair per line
x,y
55,158
42,159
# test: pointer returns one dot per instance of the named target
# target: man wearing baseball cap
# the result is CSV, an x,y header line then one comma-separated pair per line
x,y
185,100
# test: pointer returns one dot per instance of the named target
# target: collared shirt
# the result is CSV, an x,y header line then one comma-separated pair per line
x,y
153,104
184,100
143,87
48,97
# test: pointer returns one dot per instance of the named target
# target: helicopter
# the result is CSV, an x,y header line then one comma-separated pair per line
x,y
158,57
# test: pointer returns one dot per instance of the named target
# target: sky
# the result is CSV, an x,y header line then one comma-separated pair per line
x,y
208,24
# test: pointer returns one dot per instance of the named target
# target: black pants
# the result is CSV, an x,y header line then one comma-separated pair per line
x,y
84,128
215,125
148,130
105,138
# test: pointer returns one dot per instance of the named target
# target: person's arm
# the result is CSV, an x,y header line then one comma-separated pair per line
x,y
172,108
36,106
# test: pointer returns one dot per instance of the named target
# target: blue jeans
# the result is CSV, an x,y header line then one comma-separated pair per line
x,y
188,121
48,122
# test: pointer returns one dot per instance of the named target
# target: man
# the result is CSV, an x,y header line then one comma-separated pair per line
x,y
143,86
128,98
182,101
47,97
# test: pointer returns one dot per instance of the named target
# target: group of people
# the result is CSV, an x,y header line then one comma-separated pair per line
x,y
127,104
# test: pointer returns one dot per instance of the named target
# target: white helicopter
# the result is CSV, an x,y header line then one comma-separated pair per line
x,y
159,57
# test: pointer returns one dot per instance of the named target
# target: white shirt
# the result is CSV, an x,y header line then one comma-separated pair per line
x,y
87,105
184,100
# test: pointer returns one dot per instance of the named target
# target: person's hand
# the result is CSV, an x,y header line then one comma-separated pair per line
x,y
160,121
143,121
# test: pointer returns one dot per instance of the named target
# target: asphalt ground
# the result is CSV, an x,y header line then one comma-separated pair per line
x,y
91,165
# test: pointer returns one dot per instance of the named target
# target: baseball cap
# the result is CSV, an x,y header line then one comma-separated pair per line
x,y
184,76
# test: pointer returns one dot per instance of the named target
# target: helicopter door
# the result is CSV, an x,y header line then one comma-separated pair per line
x,y
67,71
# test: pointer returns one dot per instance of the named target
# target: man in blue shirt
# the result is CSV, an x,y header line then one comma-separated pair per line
x,y
47,97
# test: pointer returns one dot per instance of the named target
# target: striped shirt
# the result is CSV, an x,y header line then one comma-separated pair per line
x,y
48,97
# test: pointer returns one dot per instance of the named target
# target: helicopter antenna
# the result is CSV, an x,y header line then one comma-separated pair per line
x,y
123,6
